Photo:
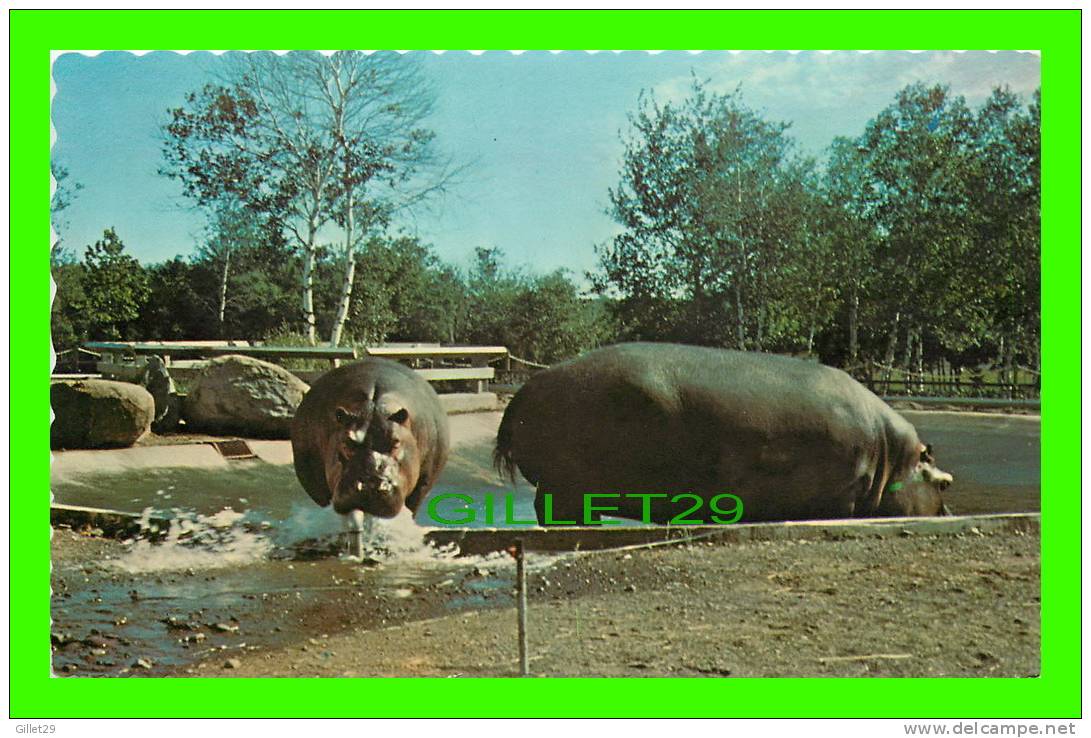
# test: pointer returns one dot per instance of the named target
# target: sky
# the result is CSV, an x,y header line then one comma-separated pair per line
x,y
540,134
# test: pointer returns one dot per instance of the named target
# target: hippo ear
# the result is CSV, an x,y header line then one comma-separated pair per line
x,y
311,472
307,446
400,417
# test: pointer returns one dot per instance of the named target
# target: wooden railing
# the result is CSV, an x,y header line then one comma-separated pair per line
x,y
127,360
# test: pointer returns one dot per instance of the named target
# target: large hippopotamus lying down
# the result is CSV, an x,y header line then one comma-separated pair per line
x,y
792,439
370,436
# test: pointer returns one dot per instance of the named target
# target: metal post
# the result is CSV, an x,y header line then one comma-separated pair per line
x,y
521,579
354,525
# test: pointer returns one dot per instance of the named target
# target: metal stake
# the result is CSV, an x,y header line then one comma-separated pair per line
x,y
521,578
354,523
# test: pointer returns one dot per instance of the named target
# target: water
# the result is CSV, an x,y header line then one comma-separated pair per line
x,y
248,561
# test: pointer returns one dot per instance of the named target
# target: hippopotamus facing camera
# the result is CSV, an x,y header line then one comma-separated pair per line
x,y
648,423
370,436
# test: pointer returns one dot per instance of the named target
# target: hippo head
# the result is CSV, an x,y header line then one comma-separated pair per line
x,y
920,494
371,458
929,473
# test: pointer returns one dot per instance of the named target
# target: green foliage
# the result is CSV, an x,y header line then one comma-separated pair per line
x,y
919,237
115,289
404,293
175,310
714,204
540,318
944,205
69,328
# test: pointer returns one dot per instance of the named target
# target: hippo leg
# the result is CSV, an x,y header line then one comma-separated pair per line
x,y
566,506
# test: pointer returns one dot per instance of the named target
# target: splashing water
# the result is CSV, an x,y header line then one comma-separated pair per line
x,y
230,538
194,541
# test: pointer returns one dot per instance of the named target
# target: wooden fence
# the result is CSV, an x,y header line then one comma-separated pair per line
x,y
126,361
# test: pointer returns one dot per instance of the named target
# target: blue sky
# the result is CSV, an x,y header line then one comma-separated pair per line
x,y
540,132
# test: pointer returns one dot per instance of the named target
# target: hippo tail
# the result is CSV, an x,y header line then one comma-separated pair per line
x,y
502,459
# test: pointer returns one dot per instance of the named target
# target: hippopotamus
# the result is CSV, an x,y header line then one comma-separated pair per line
x,y
370,436
791,439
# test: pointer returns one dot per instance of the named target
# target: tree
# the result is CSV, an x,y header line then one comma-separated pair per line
x,y
1006,250
713,202
313,140
237,145
115,288
68,328
175,310
543,318
64,193
405,293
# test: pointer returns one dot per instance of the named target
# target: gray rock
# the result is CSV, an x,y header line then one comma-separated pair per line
x,y
244,396
99,413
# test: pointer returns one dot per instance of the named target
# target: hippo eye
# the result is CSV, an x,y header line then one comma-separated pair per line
x,y
400,417
341,416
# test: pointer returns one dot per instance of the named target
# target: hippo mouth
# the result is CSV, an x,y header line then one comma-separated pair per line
x,y
369,481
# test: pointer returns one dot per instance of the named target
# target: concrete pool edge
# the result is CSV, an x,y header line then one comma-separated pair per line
x,y
480,541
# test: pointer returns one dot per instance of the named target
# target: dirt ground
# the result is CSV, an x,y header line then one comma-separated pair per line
x,y
964,605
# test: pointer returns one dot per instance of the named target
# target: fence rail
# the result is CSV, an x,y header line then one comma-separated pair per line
x,y
126,360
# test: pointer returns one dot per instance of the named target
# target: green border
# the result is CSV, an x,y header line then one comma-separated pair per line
x,y
1056,33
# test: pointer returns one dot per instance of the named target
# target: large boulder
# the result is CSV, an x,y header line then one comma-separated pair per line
x,y
99,413
244,396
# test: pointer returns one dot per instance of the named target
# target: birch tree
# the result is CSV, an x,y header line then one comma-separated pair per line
x,y
314,142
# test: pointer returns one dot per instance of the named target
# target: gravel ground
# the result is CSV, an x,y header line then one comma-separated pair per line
x,y
913,606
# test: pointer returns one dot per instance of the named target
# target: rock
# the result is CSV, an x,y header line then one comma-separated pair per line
x,y
142,664
99,413
232,664
245,396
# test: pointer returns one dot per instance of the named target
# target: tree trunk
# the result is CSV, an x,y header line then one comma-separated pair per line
x,y
740,327
308,283
223,292
346,299
350,275
907,360
854,316
1009,367
920,360
810,333
888,359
